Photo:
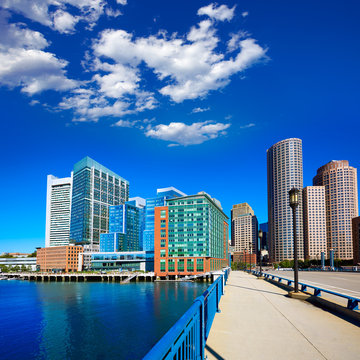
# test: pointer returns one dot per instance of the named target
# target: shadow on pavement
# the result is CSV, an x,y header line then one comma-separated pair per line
x,y
213,353
263,291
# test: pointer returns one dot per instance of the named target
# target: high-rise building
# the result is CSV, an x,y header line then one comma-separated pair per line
x,y
244,228
125,227
159,200
264,227
284,171
341,198
191,236
356,239
95,188
314,222
58,211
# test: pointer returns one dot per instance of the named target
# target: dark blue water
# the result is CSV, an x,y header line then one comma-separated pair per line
x,y
88,320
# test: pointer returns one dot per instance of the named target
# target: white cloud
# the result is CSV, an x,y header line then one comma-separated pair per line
x,y
183,134
199,110
125,123
191,68
221,12
64,22
56,13
247,126
244,13
24,63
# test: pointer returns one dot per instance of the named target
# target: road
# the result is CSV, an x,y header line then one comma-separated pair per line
x,y
342,282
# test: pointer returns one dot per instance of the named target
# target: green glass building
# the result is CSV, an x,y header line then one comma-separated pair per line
x,y
95,188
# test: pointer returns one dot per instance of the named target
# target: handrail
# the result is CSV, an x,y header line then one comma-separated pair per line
x,y
187,337
352,304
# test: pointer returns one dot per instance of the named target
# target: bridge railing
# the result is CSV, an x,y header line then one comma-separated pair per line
x,y
352,302
186,339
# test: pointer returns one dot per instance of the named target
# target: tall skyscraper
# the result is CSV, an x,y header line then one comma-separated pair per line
x,y
341,197
191,236
95,188
264,227
244,228
356,239
284,171
314,222
159,200
58,211
125,227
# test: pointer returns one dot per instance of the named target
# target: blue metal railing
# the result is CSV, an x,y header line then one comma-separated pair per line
x,y
352,302
187,337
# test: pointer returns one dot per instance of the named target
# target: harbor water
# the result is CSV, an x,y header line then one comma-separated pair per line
x,y
88,320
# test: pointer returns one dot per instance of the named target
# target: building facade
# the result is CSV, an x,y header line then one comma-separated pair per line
x,y
191,236
244,257
314,222
341,199
284,171
244,228
356,239
59,258
162,195
20,262
95,188
125,227
129,260
58,211
264,227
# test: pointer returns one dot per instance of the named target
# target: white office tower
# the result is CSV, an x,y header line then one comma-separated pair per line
x,y
314,222
58,211
284,171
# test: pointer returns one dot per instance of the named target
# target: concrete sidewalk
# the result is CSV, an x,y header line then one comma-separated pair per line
x,y
257,321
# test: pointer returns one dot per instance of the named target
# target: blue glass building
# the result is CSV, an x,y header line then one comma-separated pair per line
x,y
126,224
159,200
95,188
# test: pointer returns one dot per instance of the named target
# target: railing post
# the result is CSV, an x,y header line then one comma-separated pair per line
x,y
202,329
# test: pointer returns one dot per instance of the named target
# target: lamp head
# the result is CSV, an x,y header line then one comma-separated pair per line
x,y
294,197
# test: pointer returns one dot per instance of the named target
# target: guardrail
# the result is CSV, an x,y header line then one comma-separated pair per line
x,y
187,337
352,302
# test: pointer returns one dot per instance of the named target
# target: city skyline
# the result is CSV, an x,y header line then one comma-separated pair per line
x,y
287,93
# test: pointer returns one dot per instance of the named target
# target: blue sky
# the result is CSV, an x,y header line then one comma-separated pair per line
x,y
170,93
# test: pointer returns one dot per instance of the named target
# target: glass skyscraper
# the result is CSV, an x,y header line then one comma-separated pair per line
x,y
125,227
95,188
159,200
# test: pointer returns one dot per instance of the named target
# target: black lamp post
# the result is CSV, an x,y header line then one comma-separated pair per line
x,y
250,253
260,240
294,203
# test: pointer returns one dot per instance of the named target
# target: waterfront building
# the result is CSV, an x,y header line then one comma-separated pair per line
x,y
125,260
341,199
58,210
244,257
284,171
356,239
19,261
59,258
191,236
162,195
314,222
264,227
95,188
244,228
125,227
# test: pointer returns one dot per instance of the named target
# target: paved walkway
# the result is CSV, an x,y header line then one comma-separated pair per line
x,y
258,322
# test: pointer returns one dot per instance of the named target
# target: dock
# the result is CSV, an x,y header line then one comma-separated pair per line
x,y
258,321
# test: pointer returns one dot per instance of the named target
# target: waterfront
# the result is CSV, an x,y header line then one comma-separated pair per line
x,y
89,320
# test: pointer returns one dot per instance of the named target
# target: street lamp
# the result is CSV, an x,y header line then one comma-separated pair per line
x,y
294,203
250,253
260,240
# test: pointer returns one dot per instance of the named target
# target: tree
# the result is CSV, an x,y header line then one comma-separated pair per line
x,y
6,256
32,254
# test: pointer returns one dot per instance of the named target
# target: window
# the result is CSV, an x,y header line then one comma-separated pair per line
x,y
162,213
